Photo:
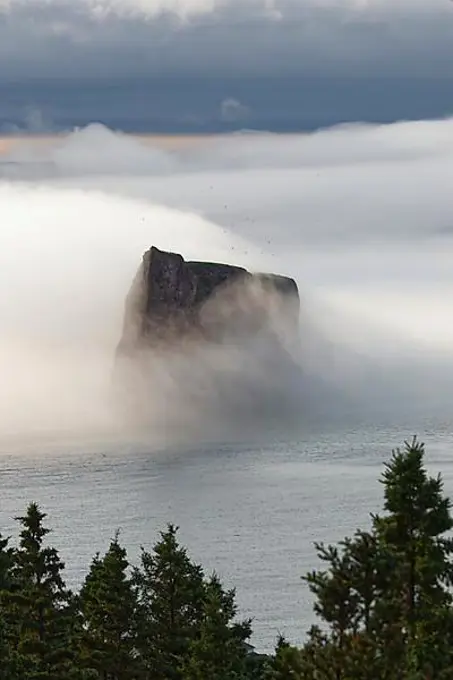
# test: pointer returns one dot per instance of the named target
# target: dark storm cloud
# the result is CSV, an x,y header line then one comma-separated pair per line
x,y
207,37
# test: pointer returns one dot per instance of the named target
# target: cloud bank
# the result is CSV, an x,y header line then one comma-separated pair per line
x,y
359,215
219,38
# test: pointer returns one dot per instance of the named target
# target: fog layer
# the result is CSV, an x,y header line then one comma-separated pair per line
x,y
360,216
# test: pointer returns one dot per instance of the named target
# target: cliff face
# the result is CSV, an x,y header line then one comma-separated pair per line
x,y
206,346
173,301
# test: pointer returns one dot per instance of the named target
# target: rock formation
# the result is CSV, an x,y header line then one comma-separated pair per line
x,y
172,301
207,347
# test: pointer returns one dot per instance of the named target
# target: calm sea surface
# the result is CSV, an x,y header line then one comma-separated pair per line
x,y
249,511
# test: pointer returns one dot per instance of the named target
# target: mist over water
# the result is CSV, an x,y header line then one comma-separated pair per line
x,y
359,215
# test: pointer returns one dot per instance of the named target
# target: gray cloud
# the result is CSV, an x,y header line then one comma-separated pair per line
x,y
232,111
213,37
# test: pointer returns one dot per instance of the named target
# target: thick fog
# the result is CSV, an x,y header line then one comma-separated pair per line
x,y
359,215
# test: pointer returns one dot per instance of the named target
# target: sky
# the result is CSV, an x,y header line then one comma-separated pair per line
x,y
206,66
225,38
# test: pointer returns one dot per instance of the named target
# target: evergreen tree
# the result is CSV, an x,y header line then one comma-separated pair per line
x,y
412,531
385,594
108,605
8,662
171,594
219,651
286,664
6,563
40,606
349,596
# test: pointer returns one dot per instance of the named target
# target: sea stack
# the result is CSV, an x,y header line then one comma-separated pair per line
x,y
174,302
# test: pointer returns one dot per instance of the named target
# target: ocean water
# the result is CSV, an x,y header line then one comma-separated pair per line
x,y
250,511
361,217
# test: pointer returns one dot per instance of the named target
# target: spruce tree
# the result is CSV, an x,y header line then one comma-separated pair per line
x,y
40,605
8,661
219,650
171,594
286,664
108,606
348,597
385,594
412,531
